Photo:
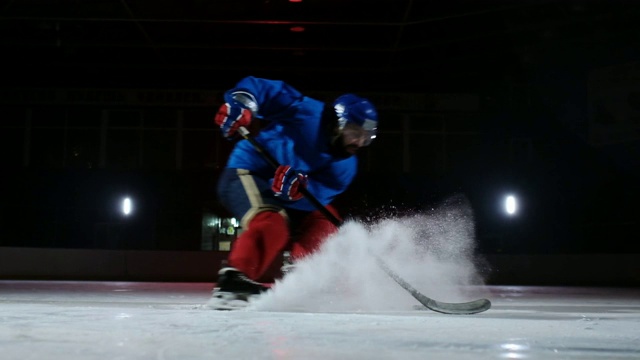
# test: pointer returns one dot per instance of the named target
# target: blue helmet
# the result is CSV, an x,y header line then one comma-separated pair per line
x,y
356,110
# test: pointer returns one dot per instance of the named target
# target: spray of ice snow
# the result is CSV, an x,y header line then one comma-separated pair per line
x,y
434,252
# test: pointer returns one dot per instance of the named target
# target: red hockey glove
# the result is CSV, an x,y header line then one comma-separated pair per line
x,y
287,183
231,116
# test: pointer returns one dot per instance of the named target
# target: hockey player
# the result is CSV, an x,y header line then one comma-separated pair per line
x,y
315,143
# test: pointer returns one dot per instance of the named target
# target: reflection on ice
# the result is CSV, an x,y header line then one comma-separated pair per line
x,y
514,349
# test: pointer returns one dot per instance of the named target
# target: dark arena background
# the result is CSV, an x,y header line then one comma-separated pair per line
x,y
503,185
109,104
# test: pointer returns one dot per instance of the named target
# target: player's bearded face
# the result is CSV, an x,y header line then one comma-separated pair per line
x,y
353,138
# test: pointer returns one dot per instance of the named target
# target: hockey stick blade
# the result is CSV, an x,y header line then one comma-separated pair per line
x,y
465,308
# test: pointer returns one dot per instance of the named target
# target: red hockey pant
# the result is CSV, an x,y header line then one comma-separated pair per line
x,y
268,234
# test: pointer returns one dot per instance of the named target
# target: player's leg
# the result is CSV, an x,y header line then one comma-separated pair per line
x,y
265,235
313,230
265,225
263,239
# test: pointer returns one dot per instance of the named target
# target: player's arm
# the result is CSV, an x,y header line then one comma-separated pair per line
x,y
255,97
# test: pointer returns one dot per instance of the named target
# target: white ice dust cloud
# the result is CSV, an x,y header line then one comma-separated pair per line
x,y
433,251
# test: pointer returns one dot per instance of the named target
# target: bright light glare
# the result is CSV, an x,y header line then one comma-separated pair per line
x,y
127,206
514,347
514,351
511,205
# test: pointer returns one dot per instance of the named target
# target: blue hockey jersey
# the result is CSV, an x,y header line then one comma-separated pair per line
x,y
294,135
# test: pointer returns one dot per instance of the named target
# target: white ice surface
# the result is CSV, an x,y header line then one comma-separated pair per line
x,y
111,320
337,304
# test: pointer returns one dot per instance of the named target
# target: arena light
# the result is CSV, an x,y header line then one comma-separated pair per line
x,y
511,205
126,206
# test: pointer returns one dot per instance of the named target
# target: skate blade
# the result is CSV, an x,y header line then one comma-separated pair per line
x,y
228,301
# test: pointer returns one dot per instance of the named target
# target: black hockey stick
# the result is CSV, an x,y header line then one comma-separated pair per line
x,y
471,307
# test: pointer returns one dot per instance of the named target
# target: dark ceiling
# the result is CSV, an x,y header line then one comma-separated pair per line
x,y
378,44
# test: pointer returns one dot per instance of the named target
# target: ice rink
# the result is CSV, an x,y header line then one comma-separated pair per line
x,y
136,320
336,304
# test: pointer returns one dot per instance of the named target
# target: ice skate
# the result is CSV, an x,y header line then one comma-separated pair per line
x,y
287,263
234,291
